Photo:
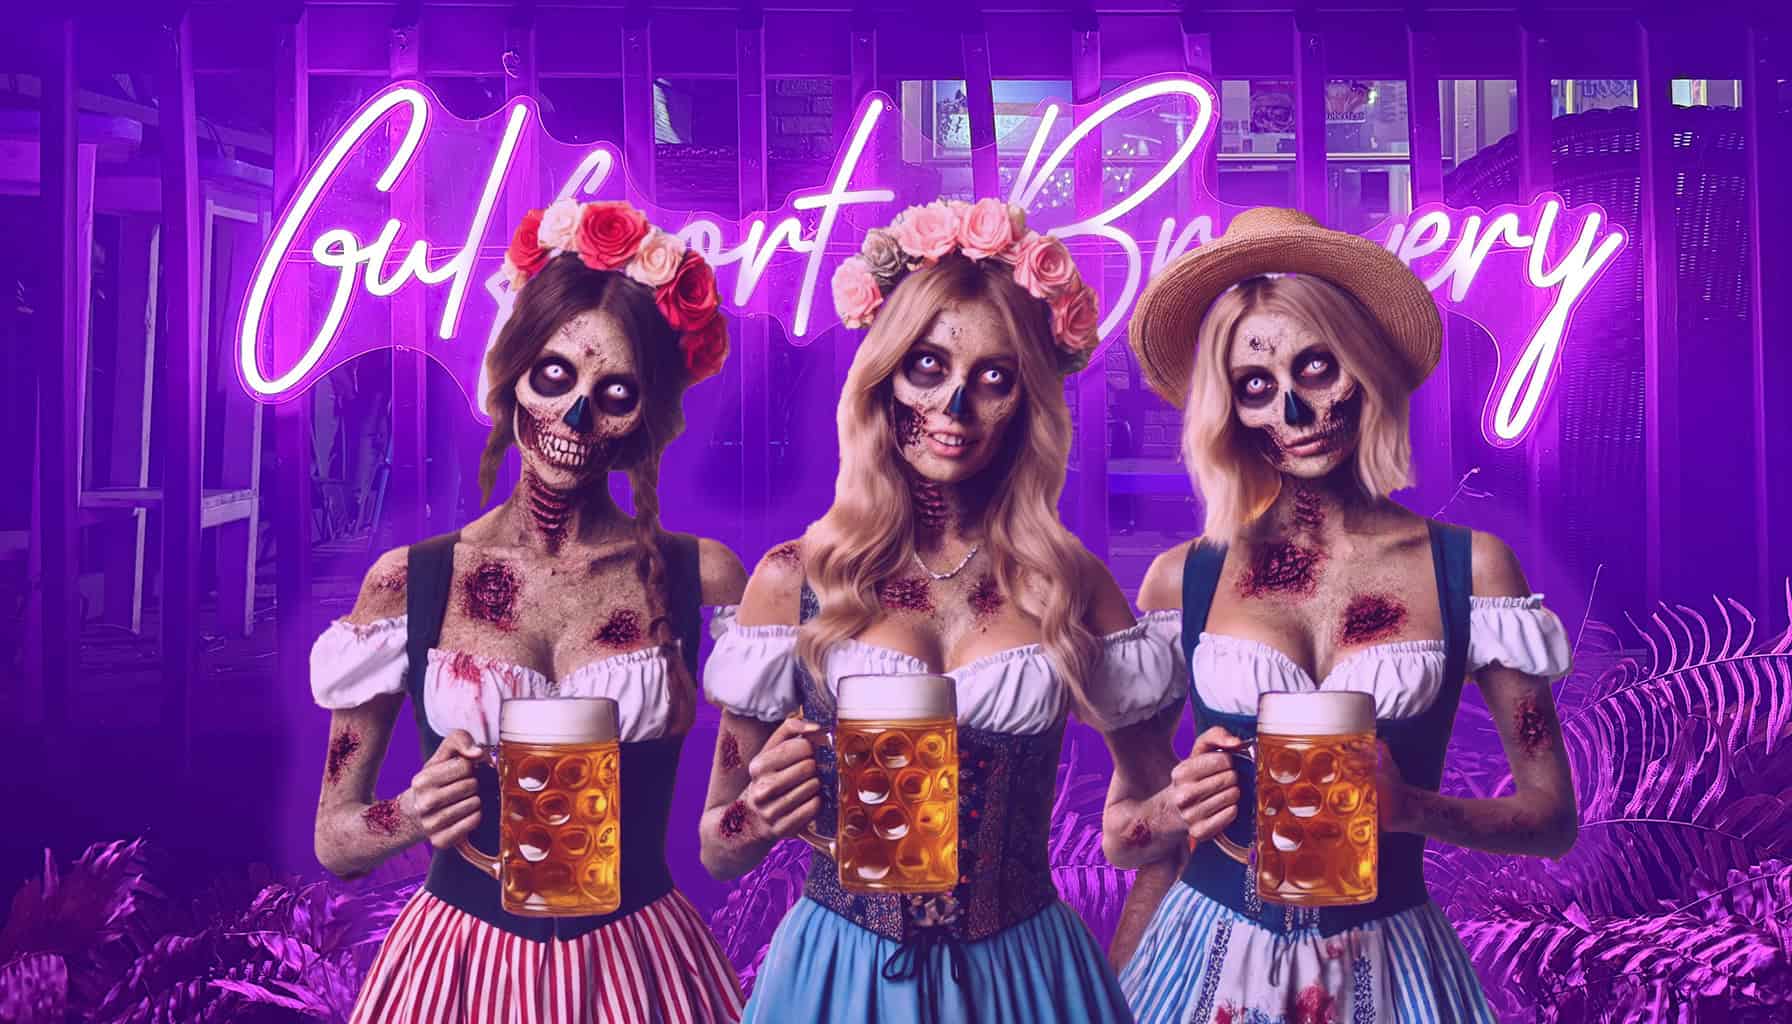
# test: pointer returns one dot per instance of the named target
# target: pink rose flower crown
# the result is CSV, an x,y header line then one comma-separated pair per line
x,y
615,236
987,229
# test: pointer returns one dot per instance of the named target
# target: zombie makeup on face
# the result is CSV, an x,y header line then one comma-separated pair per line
x,y
907,594
986,597
343,747
1281,569
734,821
490,595
577,402
730,751
1291,392
908,425
622,629
956,392
383,818
1371,617
1532,727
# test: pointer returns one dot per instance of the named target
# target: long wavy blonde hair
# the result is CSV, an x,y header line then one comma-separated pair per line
x,y
867,535
1235,480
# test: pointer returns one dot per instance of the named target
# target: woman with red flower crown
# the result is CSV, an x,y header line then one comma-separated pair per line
x,y
554,592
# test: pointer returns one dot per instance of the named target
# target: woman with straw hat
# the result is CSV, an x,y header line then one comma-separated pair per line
x,y
1293,351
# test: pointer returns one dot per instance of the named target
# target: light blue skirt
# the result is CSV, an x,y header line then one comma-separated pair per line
x,y
1202,962
822,967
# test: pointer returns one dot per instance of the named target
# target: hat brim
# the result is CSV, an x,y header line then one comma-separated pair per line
x,y
1166,323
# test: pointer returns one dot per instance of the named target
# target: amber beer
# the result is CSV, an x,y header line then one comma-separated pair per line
x,y
1316,805
559,852
896,746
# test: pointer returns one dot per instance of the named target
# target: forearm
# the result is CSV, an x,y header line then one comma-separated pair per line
x,y
355,837
1138,832
1524,824
730,846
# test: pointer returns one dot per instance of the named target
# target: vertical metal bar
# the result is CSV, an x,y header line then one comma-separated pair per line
x,y
407,488
864,81
1434,461
1765,131
638,103
980,107
291,509
755,330
1543,449
1197,55
180,395
59,456
1090,386
1661,342
1309,114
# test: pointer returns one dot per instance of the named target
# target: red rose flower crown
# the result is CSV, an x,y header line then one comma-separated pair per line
x,y
613,235
986,229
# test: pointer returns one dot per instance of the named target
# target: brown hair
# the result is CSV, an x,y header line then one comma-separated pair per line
x,y
561,290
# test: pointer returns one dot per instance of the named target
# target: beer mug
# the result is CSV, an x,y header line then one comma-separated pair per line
x,y
559,852
896,749
1316,806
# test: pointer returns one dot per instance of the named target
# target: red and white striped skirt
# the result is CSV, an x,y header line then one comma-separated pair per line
x,y
658,965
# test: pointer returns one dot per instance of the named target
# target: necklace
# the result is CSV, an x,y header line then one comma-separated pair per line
x,y
955,569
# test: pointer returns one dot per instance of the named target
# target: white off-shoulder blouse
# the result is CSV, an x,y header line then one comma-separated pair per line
x,y
1404,676
752,672
352,664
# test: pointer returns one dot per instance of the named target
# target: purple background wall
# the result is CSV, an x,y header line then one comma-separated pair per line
x,y
144,709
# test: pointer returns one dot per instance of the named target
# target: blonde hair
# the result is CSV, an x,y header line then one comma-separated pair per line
x,y
1235,480
867,534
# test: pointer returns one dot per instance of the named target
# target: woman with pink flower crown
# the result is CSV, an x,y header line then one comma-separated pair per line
x,y
556,592
941,555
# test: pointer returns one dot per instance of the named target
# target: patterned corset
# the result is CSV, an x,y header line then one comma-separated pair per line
x,y
1004,817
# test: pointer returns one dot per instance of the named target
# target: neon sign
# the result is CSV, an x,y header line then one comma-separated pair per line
x,y
1518,271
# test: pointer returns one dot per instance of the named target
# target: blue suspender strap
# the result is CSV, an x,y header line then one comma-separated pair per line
x,y
429,574
1200,578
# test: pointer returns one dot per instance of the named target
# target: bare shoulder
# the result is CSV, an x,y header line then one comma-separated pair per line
x,y
1496,569
724,577
383,589
1162,588
773,594
1109,611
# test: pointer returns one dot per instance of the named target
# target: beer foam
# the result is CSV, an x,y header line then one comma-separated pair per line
x,y
1326,713
557,720
899,696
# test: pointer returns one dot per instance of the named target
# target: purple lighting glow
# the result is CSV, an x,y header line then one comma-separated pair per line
x,y
1497,264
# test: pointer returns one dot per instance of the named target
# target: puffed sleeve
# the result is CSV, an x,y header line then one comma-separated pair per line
x,y
351,663
1517,633
1140,671
752,669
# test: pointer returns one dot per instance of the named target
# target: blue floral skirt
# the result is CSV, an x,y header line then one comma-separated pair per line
x,y
1202,962
823,967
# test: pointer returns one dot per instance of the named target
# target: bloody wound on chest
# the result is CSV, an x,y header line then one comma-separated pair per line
x,y
908,594
622,630
1281,568
986,598
1371,617
490,593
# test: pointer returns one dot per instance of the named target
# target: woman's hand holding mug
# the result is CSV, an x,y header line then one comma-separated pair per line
x,y
784,791
1204,785
444,795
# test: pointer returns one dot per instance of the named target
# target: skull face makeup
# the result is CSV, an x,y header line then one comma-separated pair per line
x,y
1288,387
578,401
955,394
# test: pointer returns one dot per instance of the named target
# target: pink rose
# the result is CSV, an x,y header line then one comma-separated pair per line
x,y
656,262
558,222
927,232
986,230
1043,266
608,234
856,295
1076,318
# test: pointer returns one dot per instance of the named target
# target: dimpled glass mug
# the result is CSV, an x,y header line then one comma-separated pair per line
x,y
896,748
1316,819
559,847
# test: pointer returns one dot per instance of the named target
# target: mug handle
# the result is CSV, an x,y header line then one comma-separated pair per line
x,y
474,855
1239,853
819,843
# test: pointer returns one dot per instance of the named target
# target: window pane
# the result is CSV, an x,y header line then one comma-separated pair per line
x,y
582,110
800,119
1573,95
1700,92
1257,142
1476,114
1365,118
696,163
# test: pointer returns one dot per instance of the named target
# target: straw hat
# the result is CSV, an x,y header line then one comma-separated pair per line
x,y
1265,240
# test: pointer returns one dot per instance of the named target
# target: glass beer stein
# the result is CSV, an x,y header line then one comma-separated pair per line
x,y
1316,807
896,748
559,852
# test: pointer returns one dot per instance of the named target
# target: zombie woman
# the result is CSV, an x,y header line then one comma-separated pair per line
x,y
942,553
1293,351
554,592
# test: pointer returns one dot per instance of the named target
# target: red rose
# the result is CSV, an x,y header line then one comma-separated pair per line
x,y
689,299
705,349
525,252
608,234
